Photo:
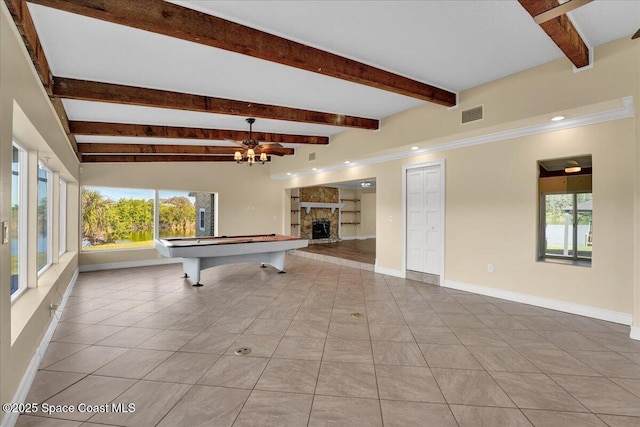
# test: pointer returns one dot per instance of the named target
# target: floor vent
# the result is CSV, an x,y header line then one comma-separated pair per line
x,y
312,156
473,114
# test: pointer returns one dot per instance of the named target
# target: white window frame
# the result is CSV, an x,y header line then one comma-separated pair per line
x,y
23,201
62,217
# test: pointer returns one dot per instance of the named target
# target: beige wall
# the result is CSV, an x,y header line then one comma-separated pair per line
x,y
367,214
25,111
491,202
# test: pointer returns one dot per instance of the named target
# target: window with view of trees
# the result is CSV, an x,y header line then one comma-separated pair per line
x,y
124,218
566,209
177,214
62,217
116,218
17,225
44,219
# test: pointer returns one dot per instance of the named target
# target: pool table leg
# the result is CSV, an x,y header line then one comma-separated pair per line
x,y
191,267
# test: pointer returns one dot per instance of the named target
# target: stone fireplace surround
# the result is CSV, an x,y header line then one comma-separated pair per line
x,y
308,215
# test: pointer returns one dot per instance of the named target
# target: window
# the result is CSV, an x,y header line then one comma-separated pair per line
x,y
177,214
62,216
17,225
44,218
566,209
116,218
124,218
201,219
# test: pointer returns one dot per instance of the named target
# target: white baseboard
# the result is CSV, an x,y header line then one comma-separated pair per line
x,y
390,271
635,333
129,264
11,418
553,304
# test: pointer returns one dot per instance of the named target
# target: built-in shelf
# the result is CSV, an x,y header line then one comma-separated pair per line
x,y
343,211
349,200
295,197
349,223
294,225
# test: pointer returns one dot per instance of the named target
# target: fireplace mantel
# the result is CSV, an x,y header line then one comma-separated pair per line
x,y
309,205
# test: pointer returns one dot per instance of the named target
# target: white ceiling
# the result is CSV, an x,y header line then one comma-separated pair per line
x,y
454,45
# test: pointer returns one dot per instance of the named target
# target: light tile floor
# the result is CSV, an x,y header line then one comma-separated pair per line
x,y
416,355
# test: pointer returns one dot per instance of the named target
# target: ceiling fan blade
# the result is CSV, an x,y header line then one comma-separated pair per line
x,y
636,35
270,145
276,151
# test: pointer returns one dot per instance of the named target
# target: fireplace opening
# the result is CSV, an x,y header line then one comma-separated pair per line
x,y
321,229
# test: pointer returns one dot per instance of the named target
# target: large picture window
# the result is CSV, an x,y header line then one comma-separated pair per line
x,y
124,218
116,218
566,209
18,221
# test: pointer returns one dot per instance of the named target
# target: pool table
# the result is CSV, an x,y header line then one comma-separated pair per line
x,y
200,253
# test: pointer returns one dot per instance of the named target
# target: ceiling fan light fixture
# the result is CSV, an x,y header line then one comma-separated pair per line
x,y
572,167
251,144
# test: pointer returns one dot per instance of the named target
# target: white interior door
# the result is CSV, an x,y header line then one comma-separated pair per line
x,y
424,219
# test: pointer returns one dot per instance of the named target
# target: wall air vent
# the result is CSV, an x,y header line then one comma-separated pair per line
x,y
312,156
473,114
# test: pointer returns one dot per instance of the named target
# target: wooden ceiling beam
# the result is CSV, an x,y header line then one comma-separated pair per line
x,y
187,24
21,16
561,30
24,22
148,158
155,131
87,148
107,92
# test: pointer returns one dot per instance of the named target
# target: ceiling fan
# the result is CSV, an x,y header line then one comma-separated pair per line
x,y
250,147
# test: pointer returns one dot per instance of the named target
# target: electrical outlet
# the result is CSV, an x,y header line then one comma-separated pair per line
x,y
53,307
490,268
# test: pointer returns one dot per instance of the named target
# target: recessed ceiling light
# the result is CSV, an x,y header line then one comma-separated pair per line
x,y
415,147
557,118
288,173
346,162
314,169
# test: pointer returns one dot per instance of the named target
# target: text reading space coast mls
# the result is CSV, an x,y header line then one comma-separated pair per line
x,y
46,408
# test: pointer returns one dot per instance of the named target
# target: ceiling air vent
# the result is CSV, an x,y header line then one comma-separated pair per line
x,y
473,114
312,156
